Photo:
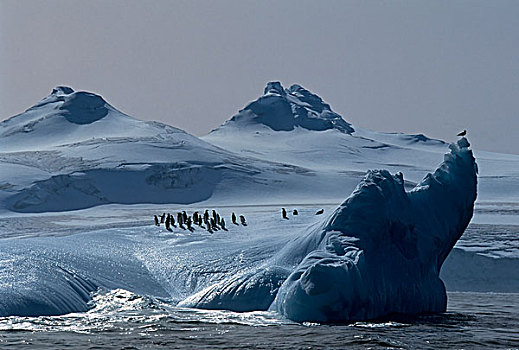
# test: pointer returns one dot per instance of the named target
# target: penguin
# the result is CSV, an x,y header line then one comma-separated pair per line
x,y
206,215
214,214
184,216
284,213
319,212
222,224
167,223
213,224
172,220
156,220
233,219
295,212
180,220
242,219
188,224
463,133
162,217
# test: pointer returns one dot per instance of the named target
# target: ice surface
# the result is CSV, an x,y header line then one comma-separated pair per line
x,y
117,246
52,277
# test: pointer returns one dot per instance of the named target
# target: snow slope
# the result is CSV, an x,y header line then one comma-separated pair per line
x,y
73,150
339,153
80,152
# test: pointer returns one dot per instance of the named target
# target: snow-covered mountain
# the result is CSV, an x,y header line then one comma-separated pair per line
x,y
73,150
270,129
285,109
295,126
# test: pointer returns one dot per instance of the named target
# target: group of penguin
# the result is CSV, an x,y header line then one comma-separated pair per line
x,y
209,221
295,212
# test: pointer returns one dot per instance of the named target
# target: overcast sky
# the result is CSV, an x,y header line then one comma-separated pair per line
x,y
432,67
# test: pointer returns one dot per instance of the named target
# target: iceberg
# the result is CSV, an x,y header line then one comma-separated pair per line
x,y
379,253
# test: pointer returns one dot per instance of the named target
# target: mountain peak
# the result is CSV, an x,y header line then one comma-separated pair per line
x,y
274,87
70,117
309,98
60,112
285,109
84,107
78,107
62,90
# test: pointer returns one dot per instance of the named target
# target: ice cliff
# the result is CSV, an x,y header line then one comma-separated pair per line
x,y
379,253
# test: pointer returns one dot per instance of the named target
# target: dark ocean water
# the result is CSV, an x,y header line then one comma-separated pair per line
x,y
121,320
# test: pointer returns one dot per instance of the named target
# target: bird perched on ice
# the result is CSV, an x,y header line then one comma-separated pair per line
x,y
463,133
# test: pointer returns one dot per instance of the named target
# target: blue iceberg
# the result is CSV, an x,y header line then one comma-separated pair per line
x,y
379,253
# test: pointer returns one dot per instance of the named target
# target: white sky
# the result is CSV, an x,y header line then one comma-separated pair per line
x,y
432,67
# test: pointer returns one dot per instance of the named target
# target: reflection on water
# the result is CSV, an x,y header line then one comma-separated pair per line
x,y
120,319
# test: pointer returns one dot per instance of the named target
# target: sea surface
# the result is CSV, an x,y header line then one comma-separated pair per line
x,y
122,320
